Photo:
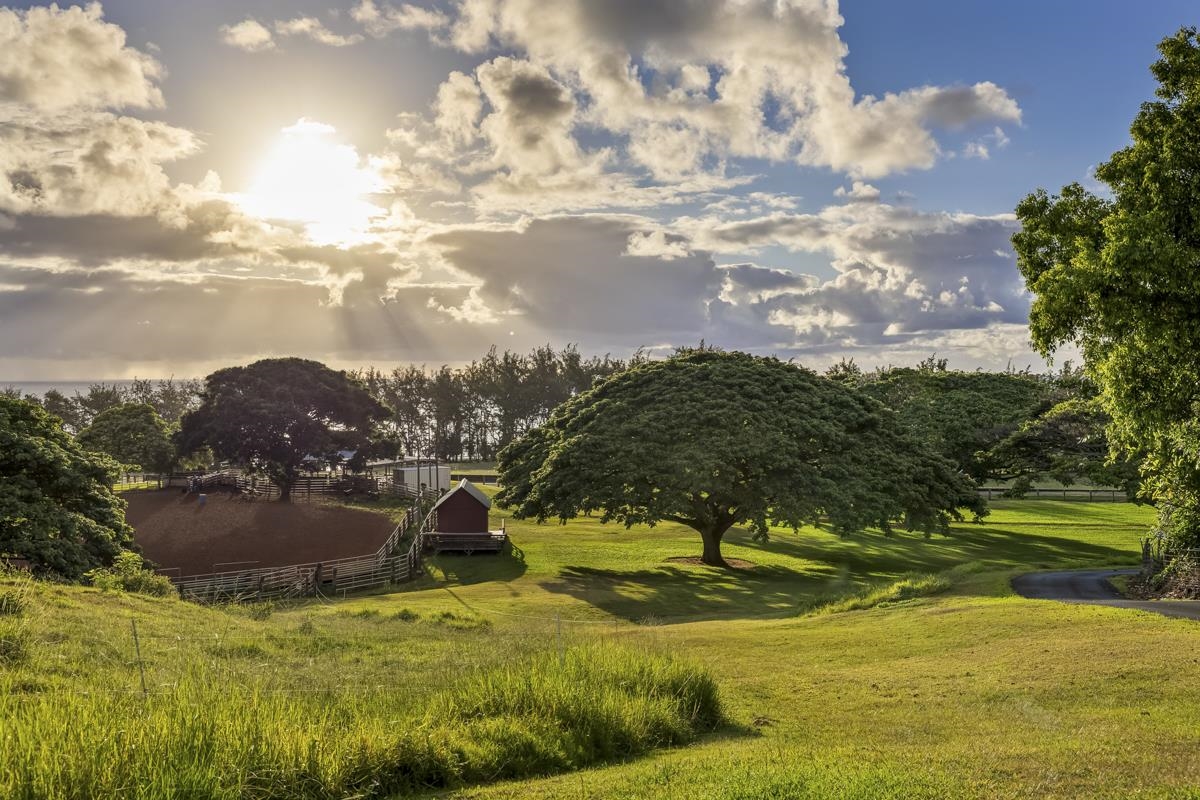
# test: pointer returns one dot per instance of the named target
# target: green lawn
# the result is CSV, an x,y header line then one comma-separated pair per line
x,y
972,692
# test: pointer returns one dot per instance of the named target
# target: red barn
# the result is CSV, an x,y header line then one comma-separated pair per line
x,y
461,521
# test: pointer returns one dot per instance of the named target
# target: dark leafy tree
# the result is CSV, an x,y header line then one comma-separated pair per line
x,y
56,507
1068,443
273,413
1120,277
133,434
712,440
962,415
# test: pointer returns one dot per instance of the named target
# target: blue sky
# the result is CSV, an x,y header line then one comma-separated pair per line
x,y
196,184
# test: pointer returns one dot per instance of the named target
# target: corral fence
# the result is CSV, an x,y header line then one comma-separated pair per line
x,y
251,486
1091,495
392,563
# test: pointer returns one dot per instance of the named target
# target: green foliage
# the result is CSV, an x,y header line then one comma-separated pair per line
x,y
132,434
55,505
1068,443
482,407
1119,277
129,573
961,414
711,440
273,413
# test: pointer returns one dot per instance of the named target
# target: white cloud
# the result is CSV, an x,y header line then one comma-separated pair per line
x,y
314,29
381,19
858,192
249,35
780,90
56,58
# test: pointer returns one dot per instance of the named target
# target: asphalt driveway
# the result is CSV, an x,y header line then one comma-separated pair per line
x,y
1094,587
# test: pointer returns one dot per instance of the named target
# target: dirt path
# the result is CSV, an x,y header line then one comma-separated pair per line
x,y
1093,587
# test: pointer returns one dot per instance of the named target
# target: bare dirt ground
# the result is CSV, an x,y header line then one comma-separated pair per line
x,y
174,531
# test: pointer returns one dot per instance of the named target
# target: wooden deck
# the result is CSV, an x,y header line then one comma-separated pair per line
x,y
487,542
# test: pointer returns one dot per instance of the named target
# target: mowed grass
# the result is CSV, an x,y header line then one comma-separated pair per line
x,y
592,571
867,667
968,692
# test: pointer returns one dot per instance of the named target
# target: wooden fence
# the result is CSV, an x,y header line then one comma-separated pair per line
x,y
1093,495
388,565
305,488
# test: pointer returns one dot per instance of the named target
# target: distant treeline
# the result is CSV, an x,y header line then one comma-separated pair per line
x,y
1017,426
472,412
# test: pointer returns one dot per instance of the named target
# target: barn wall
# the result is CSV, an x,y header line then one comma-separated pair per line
x,y
462,513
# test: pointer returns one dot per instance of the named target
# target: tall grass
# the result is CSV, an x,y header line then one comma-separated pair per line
x,y
550,713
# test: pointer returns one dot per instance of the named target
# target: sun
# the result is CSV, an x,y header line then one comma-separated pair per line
x,y
309,177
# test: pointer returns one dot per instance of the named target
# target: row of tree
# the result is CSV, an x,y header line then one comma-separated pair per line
x,y
698,417
1011,426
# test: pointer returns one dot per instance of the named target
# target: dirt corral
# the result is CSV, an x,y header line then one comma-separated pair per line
x,y
228,532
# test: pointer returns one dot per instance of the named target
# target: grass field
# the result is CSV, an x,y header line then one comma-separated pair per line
x,y
969,691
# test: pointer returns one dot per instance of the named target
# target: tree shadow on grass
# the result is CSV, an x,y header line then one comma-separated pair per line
x,y
679,593
825,568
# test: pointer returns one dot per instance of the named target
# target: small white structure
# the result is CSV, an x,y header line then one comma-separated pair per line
x,y
414,474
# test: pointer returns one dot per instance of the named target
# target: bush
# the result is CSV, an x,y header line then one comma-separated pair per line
x,y
128,573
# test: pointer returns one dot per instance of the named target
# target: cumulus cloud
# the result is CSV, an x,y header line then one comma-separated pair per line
x,y
750,79
249,35
88,162
314,29
900,273
255,37
54,58
381,19
858,192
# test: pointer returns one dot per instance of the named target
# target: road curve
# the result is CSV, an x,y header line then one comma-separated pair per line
x,y
1092,587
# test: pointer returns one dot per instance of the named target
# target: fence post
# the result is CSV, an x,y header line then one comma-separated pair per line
x,y
558,622
137,649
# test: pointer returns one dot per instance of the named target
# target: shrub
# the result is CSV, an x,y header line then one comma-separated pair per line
x,y
128,573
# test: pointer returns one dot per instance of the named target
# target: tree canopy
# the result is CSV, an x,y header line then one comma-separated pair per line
x,y
273,413
1120,277
56,507
133,434
712,439
961,414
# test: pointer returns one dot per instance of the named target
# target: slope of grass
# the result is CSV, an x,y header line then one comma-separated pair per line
x,y
236,707
930,679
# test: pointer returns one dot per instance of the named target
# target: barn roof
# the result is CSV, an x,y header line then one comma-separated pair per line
x,y
466,486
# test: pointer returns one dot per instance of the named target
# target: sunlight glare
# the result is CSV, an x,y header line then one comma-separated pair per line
x,y
310,178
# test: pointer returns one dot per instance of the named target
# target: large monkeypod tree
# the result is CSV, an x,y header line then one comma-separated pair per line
x,y
712,440
1120,277
272,414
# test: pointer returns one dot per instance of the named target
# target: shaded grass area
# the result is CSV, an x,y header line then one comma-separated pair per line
x,y
599,571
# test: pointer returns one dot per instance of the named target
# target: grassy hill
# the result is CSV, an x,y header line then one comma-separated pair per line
x,y
969,691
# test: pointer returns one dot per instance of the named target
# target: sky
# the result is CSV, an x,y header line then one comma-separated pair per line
x,y
185,186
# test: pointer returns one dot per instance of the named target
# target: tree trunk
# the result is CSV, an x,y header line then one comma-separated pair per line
x,y
285,492
712,546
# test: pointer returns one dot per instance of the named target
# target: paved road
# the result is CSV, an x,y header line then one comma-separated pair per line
x,y
1092,587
